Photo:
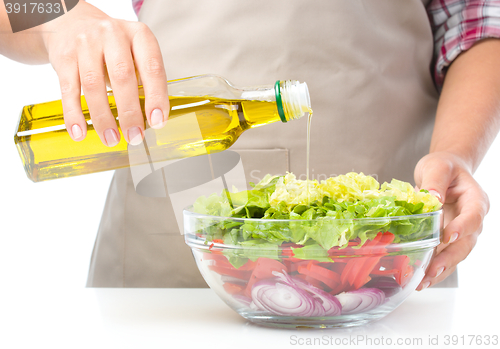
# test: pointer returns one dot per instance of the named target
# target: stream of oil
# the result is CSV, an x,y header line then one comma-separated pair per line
x,y
308,148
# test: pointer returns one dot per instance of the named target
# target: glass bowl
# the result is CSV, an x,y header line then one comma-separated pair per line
x,y
285,284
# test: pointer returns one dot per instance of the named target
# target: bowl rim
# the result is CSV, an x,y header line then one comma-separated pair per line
x,y
187,211
431,241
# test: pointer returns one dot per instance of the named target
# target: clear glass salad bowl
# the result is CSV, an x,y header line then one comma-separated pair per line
x,y
283,284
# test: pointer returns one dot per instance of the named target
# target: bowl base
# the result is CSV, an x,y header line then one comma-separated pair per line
x,y
319,322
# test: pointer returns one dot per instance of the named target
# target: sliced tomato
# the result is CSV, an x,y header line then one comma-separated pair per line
x,y
341,288
338,267
233,288
289,262
340,260
302,263
387,262
223,263
286,249
402,264
352,269
387,238
330,274
312,281
347,269
333,266
370,246
249,265
326,276
239,274
287,252
406,275
263,269
363,275
212,256
355,272
345,251
335,251
368,278
376,271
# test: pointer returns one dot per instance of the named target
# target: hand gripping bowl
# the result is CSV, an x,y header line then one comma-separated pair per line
x,y
289,285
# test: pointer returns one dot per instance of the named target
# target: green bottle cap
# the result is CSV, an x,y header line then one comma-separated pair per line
x,y
279,102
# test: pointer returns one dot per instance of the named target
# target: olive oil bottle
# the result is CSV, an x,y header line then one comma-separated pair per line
x,y
221,113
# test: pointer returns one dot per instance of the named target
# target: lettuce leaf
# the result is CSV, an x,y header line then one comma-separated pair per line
x,y
331,210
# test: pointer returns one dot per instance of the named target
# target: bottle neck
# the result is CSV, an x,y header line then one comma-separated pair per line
x,y
292,99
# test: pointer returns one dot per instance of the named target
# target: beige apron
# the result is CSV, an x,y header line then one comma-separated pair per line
x,y
367,65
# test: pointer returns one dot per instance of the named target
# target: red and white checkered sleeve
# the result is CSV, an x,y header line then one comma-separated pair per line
x,y
457,25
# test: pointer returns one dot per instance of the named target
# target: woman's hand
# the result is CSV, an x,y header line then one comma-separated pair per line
x,y
465,204
81,46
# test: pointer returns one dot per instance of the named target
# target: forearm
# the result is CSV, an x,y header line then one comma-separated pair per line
x,y
468,115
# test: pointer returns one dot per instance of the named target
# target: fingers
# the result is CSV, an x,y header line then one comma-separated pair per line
x,y
445,262
108,48
468,211
121,71
91,63
69,81
149,62
465,206
467,222
435,174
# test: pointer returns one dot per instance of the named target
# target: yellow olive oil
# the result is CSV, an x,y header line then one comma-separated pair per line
x,y
308,149
207,115
48,152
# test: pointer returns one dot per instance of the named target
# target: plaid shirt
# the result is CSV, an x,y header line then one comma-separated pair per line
x,y
456,25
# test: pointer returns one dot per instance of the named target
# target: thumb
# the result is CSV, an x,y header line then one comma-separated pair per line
x,y
435,174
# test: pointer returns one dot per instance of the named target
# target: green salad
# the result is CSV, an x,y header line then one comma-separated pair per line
x,y
333,209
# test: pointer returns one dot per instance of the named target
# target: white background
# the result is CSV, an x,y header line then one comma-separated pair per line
x,y
48,229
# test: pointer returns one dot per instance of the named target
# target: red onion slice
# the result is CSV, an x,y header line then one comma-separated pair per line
x,y
386,284
283,299
330,304
362,300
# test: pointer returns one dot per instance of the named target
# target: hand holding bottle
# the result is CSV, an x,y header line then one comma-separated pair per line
x,y
208,114
81,46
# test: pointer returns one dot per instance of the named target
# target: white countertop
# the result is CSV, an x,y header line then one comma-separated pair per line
x,y
197,318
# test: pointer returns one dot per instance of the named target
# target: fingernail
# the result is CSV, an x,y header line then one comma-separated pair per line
x,y
427,284
134,135
453,238
76,131
157,119
436,194
111,137
440,271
